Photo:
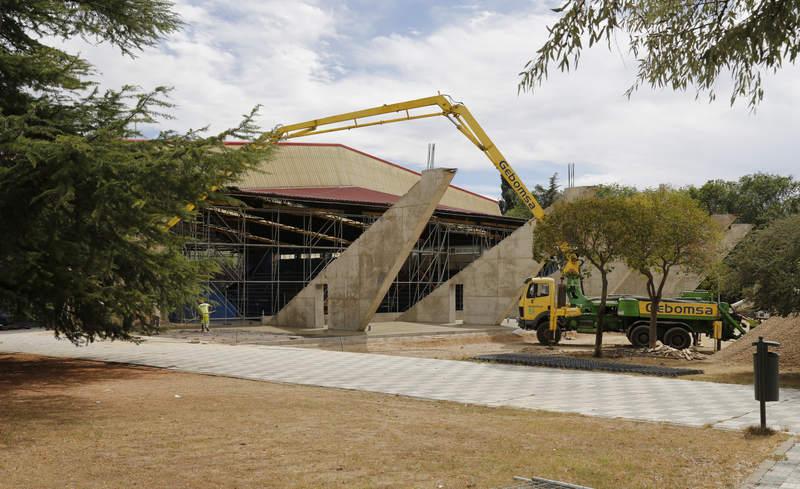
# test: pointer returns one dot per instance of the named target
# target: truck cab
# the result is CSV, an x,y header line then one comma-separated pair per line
x,y
544,307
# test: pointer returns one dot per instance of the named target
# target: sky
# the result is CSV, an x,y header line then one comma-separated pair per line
x,y
305,59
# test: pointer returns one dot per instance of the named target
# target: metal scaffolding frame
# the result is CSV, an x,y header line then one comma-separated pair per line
x,y
266,252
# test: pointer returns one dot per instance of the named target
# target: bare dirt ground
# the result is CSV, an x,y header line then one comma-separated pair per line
x,y
92,425
784,330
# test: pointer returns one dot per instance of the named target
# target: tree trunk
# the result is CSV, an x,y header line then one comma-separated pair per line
x,y
601,316
655,298
654,301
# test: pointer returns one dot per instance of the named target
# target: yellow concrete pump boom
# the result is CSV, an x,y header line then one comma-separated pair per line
x,y
456,112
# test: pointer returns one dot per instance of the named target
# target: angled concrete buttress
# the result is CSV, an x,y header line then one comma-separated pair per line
x,y
491,284
359,278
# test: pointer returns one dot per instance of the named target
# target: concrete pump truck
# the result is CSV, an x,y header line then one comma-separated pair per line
x,y
680,321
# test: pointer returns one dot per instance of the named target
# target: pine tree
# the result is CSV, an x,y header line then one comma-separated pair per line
x,y
512,206
548,195
85,250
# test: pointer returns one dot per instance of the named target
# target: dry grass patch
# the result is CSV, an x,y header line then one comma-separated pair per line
x,y
92,425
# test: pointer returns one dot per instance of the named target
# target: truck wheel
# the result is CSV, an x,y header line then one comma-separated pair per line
x,y
640,336
678,338
543,334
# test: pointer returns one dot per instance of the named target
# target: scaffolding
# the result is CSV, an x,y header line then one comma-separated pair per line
x,y
268,249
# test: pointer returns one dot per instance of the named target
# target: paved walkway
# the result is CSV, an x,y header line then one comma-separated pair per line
x,y
590,393
785,474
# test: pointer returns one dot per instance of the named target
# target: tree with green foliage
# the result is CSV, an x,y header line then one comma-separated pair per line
x,y
766,266
757,199
677,44
668,231
547,196
510,203
614,190
595,229
512,206
716,196
85,248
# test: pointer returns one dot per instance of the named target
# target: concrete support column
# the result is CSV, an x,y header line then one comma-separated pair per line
x,y
360,277
492,284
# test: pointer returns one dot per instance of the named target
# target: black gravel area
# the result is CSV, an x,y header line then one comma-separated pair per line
x,y
571,363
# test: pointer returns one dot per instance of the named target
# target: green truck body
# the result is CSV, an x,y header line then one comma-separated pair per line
x,y
681,320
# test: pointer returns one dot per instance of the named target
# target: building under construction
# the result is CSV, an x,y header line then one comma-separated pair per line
x,y
307,205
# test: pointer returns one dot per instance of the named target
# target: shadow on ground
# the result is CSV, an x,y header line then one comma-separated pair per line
x,y
32,372
42,390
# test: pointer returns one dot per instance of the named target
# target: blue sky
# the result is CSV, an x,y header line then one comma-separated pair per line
x,y
307,58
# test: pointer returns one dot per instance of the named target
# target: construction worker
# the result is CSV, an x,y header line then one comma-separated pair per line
x,y
156,317
205,315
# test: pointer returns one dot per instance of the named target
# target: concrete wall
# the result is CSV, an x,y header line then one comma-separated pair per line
x,y
492,284
359,278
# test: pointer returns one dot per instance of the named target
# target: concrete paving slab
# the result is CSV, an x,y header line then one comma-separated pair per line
x,y
683,402
784,474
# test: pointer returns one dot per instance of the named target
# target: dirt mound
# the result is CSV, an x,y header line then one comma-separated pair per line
x,y
784,330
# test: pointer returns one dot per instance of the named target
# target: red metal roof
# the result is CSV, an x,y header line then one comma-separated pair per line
x,y
342,194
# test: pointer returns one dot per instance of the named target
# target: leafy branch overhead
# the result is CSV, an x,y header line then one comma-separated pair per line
x,y
677,44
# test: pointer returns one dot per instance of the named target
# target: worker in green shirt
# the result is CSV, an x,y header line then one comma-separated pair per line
x,y
205,316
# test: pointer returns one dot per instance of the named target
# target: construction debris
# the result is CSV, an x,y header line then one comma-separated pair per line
x,y
662,350
541,483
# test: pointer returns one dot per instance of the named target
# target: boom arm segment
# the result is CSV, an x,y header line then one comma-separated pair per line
x,y
456,112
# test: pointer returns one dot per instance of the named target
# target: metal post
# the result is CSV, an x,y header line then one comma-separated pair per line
x,y
761,352
762,360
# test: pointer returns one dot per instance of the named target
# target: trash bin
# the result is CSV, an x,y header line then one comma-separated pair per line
x,y
766,372
769,376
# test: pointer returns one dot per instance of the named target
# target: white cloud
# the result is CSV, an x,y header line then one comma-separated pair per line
x,y
305,59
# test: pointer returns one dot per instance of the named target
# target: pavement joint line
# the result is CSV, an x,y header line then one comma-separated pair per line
x,y
726,420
